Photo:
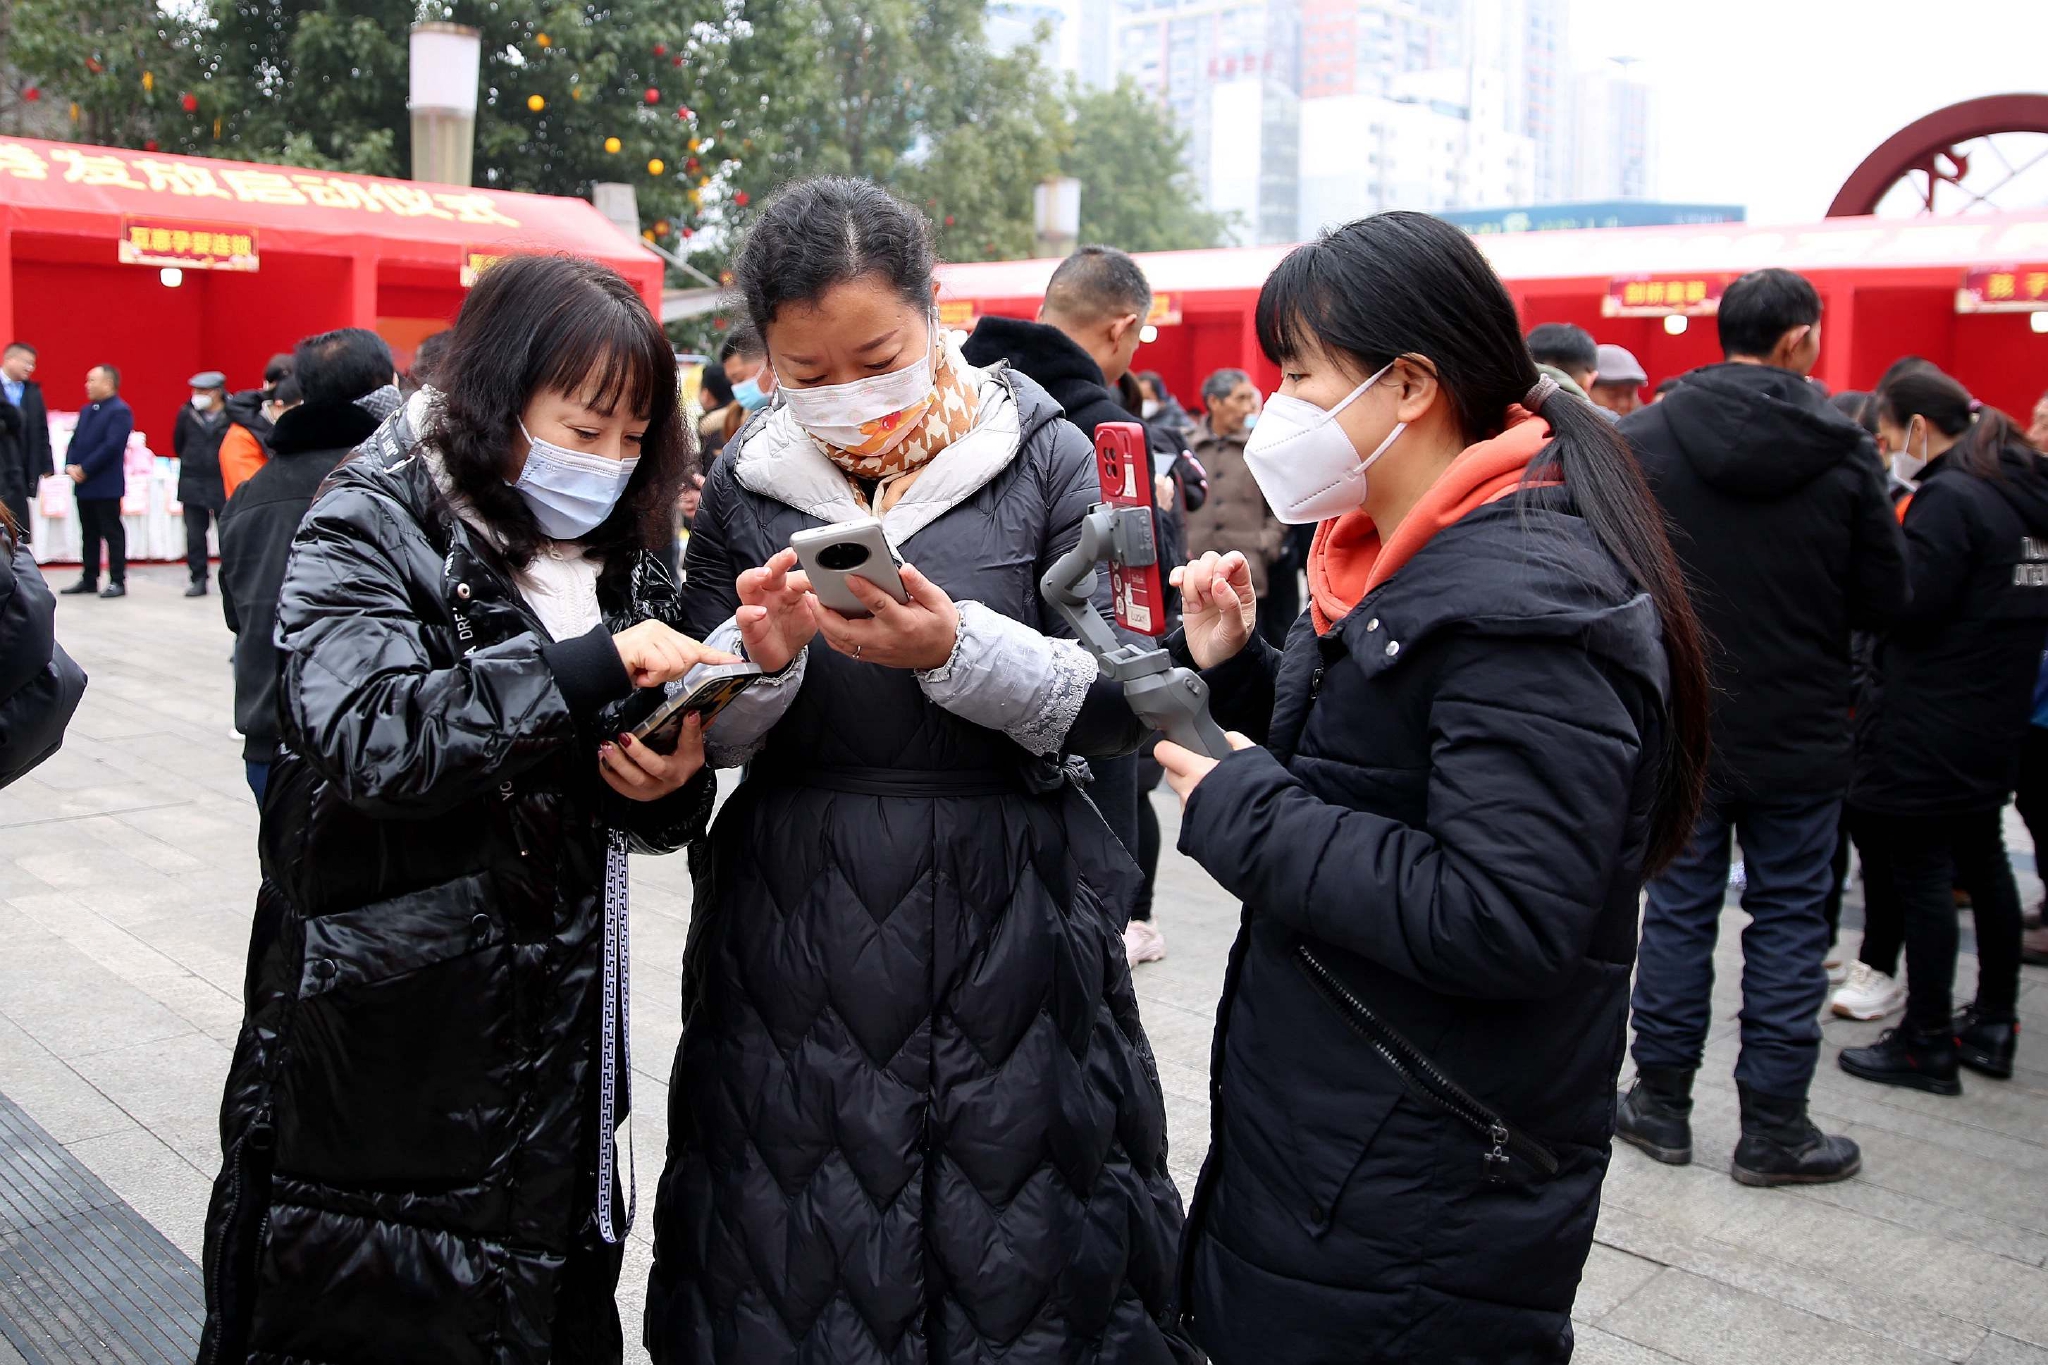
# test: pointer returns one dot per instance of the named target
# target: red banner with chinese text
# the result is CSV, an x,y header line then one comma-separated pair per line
x,y
1653,296
190,245
2004,289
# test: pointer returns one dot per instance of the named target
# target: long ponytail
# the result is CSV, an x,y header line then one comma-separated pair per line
x,y
1984,435
1406,283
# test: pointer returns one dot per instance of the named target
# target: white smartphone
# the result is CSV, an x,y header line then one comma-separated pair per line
x,y
830,554
712,693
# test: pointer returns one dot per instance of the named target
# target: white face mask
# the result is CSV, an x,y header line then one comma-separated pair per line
x,y
568,492
1149,408
1305,464
1906,466
869,416
202,401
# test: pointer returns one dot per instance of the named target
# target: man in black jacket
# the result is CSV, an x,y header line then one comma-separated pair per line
x,y
195,440
332,370
1789,542
25,461
1082,344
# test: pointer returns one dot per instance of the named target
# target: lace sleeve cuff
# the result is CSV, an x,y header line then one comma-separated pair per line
x,y
1004,675
742,727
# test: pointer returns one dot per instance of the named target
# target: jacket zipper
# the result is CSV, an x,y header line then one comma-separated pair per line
x,y
1426,1078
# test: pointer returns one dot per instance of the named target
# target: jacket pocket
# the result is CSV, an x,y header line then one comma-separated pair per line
x,y
1505,1150
397,1071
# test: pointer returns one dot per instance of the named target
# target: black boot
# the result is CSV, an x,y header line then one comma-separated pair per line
x,y
1781,1146
1904,1056
198,588
1656,1114
1985,1044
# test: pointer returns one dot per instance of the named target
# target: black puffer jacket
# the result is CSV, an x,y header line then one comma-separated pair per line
x,y
1789,543
196,442
410,1125
1439,850
913,1117
39,684
1950,691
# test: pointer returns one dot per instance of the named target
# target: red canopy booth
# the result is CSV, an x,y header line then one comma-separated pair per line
x,y
164,266
1953,290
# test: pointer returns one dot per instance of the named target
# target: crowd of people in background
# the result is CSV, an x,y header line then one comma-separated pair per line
x,y
1525,664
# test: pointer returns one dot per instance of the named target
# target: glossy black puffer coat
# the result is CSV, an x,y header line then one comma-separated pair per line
x,y
914,1117
410,1123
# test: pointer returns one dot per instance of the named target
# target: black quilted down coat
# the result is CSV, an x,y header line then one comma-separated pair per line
x,y
1439,849
411,1120
913,1115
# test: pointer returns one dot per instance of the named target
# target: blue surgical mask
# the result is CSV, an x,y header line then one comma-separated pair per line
x,y
747,393
570,493
1251,420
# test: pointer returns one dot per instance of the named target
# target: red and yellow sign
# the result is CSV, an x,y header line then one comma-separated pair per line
x,y
475,263
1652,296
189,245
958,315
1165,311
2004,289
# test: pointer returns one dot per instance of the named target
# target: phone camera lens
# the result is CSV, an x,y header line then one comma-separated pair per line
x,y
843,555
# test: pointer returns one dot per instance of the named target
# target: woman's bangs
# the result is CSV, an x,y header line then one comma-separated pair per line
x,y
607,357
1291,307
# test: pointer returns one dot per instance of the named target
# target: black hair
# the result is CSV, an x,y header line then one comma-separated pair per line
x,y
1222,384
744,342
428,356
715,387
1098,282
21,346
341,366
277,367
1159,389
536,324
1669,382
1406,284
1859,407
287,392
113,375
822,232
1904,365
1985,436
1563,345
1759,308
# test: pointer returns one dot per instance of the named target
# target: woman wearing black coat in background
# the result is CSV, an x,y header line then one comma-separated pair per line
x,y
1942,720
1490,728
39,684
419,1161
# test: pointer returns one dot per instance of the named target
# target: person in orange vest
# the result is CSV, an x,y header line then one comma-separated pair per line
x,y
245,446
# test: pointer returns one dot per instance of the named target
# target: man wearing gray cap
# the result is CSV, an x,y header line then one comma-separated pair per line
x,y
1618,385
196,441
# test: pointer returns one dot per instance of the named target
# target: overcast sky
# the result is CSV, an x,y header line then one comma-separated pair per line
x,y
1771,103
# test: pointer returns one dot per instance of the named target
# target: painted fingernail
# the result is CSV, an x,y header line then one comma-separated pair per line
x,y
625,741
604,751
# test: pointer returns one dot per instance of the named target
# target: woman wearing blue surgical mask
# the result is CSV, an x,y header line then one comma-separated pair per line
x,y
420,1154
913,1114
1490,725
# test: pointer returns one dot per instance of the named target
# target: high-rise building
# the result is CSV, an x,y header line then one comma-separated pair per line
x,y
1072,35
1613,150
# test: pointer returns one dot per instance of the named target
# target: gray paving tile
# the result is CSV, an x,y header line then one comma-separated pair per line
x,y
2003,1350
172,1087
157,1183
1596,1347
1707,1323
57,1097
1610,1276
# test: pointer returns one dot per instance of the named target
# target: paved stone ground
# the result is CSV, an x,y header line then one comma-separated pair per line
x,y
128,869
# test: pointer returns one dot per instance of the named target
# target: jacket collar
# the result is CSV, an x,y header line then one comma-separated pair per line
x,y
778,459
321,426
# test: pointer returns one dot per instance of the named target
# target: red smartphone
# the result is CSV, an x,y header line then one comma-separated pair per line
x,y
1124,461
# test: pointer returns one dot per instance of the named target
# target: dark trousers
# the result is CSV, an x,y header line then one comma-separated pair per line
x,y
1926,858
1884,914
258,775
1787,844
1147,851
197,519
99,520
1281,605
1838,883
2032,796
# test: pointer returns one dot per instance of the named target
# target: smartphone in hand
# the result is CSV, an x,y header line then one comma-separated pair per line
x,y
832,554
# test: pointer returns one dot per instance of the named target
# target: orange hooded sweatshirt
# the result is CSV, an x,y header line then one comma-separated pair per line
x,y
1347,560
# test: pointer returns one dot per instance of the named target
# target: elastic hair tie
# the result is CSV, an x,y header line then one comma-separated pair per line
x,y
1539,394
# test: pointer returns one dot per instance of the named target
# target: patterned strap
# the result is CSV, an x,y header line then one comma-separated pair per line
x,y
615,1055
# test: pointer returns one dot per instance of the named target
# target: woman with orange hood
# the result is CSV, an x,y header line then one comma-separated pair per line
x,y
1486,731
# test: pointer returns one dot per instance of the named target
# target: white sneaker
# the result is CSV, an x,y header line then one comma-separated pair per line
x,y
1838,971
1143,943
1868,994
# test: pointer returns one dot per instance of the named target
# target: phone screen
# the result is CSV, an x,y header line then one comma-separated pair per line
x,y
707,699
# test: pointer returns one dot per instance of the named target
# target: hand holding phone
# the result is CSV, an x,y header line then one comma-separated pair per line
x,y
832,554
714,690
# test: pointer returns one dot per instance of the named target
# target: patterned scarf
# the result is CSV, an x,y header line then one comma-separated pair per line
x,y
942,419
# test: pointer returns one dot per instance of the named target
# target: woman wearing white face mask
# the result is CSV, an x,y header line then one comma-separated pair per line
x,y
1940,725
419,1125
913,1114
1491,726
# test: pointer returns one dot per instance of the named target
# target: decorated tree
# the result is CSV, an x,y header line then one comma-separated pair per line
x,y
122,72
1136,190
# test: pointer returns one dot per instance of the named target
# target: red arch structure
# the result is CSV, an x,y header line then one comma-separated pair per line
x,y
1930,146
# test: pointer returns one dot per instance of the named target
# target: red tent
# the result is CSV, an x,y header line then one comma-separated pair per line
x,y
267,254
1951,289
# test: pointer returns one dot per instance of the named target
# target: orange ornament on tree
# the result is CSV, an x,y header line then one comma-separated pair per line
x,y
656,166
612,144
536,103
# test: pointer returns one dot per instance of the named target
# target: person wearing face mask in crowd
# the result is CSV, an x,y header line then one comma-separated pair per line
x,y
419,1150
1161,409
913,1103
1942,721
196,439
743,364
1447,791
245,446
714,400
